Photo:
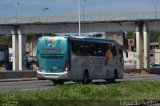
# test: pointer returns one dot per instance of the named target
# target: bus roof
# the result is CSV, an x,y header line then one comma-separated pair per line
x,y
93,39
90,39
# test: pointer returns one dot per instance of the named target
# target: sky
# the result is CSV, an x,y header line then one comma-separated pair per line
x,y
60,7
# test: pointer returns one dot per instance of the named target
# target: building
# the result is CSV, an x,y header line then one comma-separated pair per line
x,y
131,44
153,51
117,36
153,47
157,56
31,49
129,60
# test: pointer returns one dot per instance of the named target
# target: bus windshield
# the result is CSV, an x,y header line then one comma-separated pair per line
x,y
52,54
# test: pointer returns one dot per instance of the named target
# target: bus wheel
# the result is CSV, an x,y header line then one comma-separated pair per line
x,y
113,80
86,77
57,82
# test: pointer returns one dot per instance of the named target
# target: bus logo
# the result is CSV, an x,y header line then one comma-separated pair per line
x,y
52,43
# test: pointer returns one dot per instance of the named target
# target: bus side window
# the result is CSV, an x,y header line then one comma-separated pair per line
x,y
95,50
101,49
75,47
79,48
120,52
83,49
91,49
114,50
87,53
106,48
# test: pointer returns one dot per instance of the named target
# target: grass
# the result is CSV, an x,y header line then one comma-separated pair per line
x,y
143,90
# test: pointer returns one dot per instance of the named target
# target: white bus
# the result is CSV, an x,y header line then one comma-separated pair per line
x,y
79,59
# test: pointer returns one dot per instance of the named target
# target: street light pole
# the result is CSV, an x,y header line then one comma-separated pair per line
x,y
17,4
84,9
155,7
79,12
159,41
44,9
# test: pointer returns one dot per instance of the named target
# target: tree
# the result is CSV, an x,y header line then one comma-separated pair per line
x,y
6,39
130,35
31,37
155,36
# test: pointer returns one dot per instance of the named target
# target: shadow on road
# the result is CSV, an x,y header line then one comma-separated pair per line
x,y
93,83
105,82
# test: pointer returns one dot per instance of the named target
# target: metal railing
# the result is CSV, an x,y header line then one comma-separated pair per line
x,y
97,17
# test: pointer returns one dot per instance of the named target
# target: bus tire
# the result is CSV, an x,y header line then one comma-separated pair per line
x,y
113,80
85,78
56,82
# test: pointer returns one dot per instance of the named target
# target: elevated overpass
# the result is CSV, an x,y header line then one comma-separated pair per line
x,y
139,22
73,18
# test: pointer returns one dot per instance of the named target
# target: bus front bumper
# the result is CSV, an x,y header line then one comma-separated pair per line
x,y
53,76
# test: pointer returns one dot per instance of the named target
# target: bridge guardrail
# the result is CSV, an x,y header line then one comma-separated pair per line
x,y
74,18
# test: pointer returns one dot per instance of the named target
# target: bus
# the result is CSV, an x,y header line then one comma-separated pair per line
x,y
68,58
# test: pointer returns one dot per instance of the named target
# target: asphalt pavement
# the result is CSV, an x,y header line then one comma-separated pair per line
x,y
46,84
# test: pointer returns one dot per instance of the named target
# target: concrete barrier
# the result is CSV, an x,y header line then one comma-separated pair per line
x,y
133,70
18,74
152,70
155,70
30,75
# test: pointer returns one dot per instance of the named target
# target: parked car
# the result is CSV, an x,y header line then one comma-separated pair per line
x,y
155,65
7,65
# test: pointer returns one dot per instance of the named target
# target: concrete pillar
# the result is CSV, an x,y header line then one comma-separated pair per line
x,y
139,62
15,54
21,47
24,62
146,38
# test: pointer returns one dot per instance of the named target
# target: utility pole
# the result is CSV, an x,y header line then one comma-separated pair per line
x,y
79,13
17,4
45,9
159,41
155,7
84,9
44,14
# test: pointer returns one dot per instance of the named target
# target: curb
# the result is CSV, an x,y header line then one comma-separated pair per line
x,y
18,79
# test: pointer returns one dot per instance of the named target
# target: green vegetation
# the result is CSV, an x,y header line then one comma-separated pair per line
x,y
6,39
143,90
31,37
130,35
155,36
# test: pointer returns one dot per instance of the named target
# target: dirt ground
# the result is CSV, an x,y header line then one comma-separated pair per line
x,y
142,73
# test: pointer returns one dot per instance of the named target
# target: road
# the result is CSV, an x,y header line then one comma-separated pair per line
x,y
45,84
